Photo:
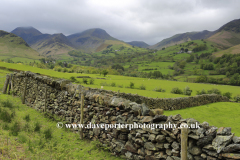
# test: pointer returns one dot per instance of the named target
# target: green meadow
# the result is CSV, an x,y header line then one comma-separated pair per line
x,y
121,82
221,114
32,135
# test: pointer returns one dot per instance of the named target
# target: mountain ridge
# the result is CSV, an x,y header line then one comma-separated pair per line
x,y
139,44
12,46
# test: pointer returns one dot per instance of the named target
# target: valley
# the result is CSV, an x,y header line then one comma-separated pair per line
x,y
186,65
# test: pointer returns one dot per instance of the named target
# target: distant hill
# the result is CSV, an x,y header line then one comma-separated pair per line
x,y
90,39
45,44
228,35
28,34
139,44
12,46
181,38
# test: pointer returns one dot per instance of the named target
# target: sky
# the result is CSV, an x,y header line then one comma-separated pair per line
x,y
129,20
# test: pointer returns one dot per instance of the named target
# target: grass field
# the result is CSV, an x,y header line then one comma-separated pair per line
x,y
49,142
124,81
221,114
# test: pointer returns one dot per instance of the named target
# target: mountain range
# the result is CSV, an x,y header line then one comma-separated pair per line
x,y
96,39
91,40
226,36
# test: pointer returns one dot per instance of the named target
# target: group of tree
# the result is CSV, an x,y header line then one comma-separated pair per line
x,y
199,48
75,53
234,80
208,66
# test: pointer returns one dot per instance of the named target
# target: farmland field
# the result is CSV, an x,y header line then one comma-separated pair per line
x,y
124,81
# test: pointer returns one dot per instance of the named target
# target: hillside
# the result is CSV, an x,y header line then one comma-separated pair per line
x,y
54,45
139,44
181,38
14,47
228,35
45,44
231,50
92,40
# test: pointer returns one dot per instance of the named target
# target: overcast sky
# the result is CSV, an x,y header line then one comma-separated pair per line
x,y
128,20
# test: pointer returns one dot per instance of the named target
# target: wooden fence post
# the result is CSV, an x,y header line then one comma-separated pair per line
x,y
184,141
10,85
45,104
24,91
81,121
6,84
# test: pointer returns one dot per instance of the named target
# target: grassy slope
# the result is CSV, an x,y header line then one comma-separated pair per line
x,y
231,50
143,62
64,144
14,47
125,81
61,146
222,114
225,38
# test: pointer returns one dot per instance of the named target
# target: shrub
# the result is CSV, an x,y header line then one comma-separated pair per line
x,y
176,90
15,129
215,91
201,92
27,118
200,79
187,91
85,80
5,126
159,89
48,133
37,127
6,116
113,84
91,81
228,94
73,79
131,85
237,98
7,104
142,87
26,127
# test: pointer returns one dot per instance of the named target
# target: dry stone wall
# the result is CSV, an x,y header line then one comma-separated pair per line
x,y
105,107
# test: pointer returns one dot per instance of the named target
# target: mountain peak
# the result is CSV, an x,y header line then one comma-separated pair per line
x,y
233,25
26,30
138,44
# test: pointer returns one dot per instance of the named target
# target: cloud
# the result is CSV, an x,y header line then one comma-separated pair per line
x,y
128,20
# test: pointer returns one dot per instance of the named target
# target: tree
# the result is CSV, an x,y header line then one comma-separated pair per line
x,y
104,72
186,50
182,64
